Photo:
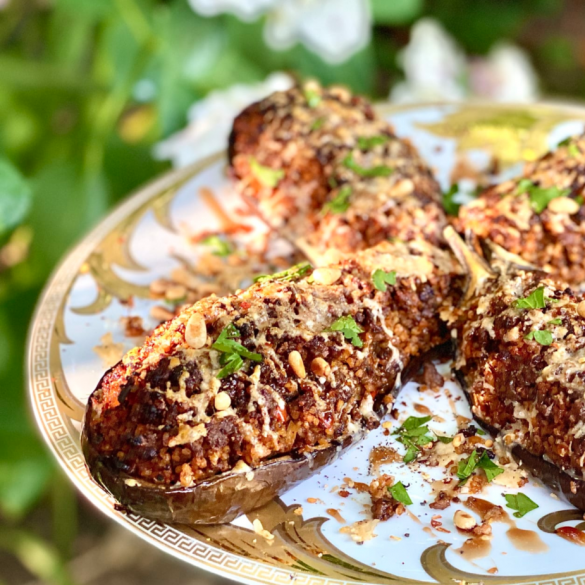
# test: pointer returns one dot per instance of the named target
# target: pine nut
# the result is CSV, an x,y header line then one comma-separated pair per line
x,y
581,309
320,367
564,205
196,331
463,520
296,363
222,401
326,276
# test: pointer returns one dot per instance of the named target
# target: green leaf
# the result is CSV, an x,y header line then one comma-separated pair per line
x,y
411,454
382,278
396,12
480,432
542,337
232,362
369,142
233,352
490,468
555,322
340,203
318,123
313,98
349,328
445,440
565,142
574,150
294,273
267,176
399,493
450,206
521,503
15,197
220,247
413,422
535,300
467,466
540,197
378,171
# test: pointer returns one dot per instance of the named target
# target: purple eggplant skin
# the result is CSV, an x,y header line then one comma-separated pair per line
x,y
573,490
217,500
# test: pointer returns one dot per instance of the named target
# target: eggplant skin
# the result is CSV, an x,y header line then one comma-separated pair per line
x,y
217,500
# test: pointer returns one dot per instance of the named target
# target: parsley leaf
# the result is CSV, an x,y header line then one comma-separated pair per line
x,y
220,246
555,322
521,503
267,176
399,493
312,96
413,434
540,197
367,142
542,337
535,300
378,171
382,278
466,467
318,123
294,273
340,202
449,205
445,440
490,468
573,150
349,328
232,351
565,142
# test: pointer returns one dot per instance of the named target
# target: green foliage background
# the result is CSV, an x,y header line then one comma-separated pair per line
x,y
76,136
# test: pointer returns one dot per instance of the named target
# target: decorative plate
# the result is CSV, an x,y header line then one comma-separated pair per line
x,y
78,327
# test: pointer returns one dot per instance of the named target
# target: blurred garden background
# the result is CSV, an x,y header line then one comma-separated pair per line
x,y
99,96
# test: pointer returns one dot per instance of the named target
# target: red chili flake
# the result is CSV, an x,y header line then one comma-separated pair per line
x,y
245,305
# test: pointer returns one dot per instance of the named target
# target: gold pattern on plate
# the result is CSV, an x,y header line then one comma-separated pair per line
x,y
512,134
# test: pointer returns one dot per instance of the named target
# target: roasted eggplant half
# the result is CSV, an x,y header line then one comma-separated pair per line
x,y
540,216
238,398
519,337
327,173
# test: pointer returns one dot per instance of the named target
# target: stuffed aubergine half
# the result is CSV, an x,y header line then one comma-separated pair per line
x,y
239,398
519,336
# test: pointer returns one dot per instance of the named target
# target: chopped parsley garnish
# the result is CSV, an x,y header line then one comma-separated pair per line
x,y
579,199
318,123
399,493
267,176
382,278
565,142
378,171
480,432
332,181
367,142
521,503
414,434
450,206
232,351
349,328
313,98
535,300
466,467
542,337
445,440
540,197
557,321
574,150
220,247
490,469
294,273
340,202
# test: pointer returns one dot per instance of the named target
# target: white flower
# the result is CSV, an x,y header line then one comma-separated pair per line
x,y
210,120
334,29
244,9
433,65
435,68
505,76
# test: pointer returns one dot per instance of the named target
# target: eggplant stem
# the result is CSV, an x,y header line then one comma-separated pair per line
x,y
478,271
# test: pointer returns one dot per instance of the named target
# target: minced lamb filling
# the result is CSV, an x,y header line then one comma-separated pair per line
x,y
317,359
327,173
521,353
540,216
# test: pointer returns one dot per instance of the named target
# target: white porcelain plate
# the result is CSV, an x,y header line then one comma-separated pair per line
x,y
141,241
